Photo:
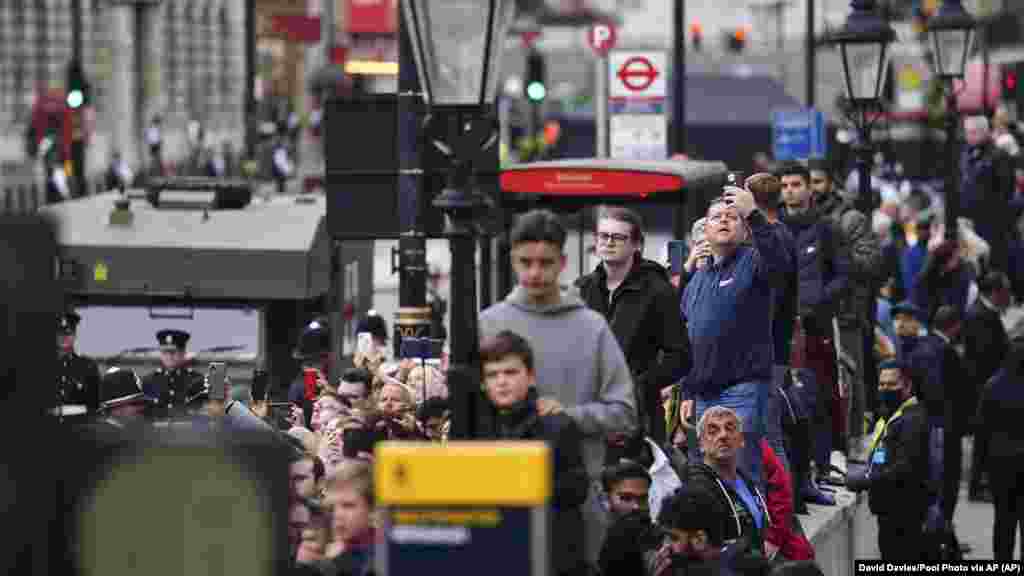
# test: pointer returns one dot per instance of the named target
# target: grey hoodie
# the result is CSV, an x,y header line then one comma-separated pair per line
x,y
578,362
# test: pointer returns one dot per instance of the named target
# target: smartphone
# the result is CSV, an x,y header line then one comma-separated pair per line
x,y
677,253
217,381
364,343
260,381
358,440
310,376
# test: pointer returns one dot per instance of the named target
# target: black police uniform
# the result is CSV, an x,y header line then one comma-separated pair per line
x,y
171,389
78,377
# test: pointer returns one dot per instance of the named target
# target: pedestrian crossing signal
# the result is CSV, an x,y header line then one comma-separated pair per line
x,y
536,91
77,94
75,99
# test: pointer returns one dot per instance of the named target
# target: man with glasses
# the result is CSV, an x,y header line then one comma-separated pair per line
x,y
727,306
636,297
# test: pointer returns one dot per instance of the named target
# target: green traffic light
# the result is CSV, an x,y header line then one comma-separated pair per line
x,y
75,99
535,91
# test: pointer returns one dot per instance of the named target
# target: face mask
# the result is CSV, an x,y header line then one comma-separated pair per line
x,y
889,400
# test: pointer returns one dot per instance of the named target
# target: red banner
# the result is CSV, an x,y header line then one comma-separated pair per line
x,y
372,16
298,29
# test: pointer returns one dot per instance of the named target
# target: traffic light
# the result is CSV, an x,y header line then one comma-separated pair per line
x,y
737,39
1010,82
697,36
536,89
1012,90
77,95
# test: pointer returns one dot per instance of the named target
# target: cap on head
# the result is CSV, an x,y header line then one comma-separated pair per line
x,y
314,341
171,340
120,386
67,323
375,325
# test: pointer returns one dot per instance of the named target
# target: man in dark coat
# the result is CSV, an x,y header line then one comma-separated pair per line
x,y
509,382
78,377
823,273
175,382
635,296
1001,438
899,490
986,186
943,390
985,347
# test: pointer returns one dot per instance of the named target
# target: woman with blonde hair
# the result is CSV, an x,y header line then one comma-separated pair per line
x,y
396,407
426,381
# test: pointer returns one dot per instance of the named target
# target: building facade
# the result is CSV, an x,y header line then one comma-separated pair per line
x,y
181,59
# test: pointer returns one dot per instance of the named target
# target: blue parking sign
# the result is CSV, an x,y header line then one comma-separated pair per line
x,y
798,134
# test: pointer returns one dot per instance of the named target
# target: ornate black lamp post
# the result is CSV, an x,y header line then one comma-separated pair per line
x,y
862,44
952,33
457,45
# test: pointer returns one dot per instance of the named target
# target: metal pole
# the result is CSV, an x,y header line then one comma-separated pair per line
x,y
811,55
334,316
80,187
76,30
678,136
486,272
412,319
601,107
250,79
953,173
865,200
463,376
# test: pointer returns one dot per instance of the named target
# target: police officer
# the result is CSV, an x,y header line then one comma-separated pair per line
x,y
78,377
175,382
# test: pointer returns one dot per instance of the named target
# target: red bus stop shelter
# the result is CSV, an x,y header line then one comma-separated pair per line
x,y
576,185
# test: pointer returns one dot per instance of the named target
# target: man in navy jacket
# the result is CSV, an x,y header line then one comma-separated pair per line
x,y
728,309
823,269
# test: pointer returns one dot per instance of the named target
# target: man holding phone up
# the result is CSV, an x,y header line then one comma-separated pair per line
x,y
727,305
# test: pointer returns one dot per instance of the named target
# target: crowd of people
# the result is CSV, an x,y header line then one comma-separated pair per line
x,y
692,414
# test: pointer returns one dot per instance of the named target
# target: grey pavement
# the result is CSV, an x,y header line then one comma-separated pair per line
x,y
973,520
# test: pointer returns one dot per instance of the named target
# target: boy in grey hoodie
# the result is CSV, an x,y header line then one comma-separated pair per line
x,y
580,367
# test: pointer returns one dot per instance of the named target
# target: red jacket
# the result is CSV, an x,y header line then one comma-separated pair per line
x,y
779,497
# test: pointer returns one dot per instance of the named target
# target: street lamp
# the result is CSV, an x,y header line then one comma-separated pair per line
x,y
457,45
862,43
952,32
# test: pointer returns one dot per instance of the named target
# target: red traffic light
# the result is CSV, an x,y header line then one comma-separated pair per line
x,y
1010,80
